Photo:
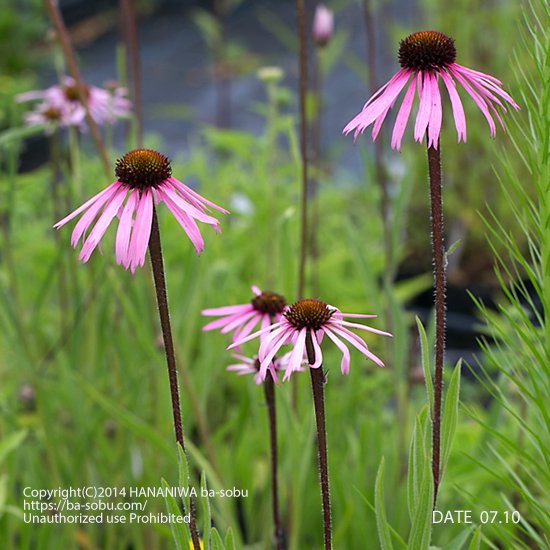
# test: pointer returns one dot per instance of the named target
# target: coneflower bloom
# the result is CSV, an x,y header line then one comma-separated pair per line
x,y
264,308
105,106
51,117
425,57
251,365
303,325
143,175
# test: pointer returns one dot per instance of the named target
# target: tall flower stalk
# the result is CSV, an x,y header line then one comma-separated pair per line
x,y
265,308
426,57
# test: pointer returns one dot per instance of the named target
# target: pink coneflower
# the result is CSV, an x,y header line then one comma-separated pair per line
x,y
50,116
143,175
251,365
105,106
303,325
428,56
323,25
264,308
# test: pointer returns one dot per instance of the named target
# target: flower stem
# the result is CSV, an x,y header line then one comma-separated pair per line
x,y
438,251
70,58
157,265
318,388
272,416
129,25
300,21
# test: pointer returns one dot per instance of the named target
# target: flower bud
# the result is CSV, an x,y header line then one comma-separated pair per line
x,y
323,25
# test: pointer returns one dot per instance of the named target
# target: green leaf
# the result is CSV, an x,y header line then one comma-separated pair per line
x,y
476,540
180,532
426,363
230,540
206,510
421,485
183,473
453,247
450,416
380,510
216,542
10,443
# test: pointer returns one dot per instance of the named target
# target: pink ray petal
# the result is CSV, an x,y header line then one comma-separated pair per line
x,y
226,310
109,190
253,335
456,104
186,207
376,106
186,222
357,343
425,107
403,116
479,101
189,193
244,318
101,225
124,229
141,230
359,326
434,126
344,364
317,350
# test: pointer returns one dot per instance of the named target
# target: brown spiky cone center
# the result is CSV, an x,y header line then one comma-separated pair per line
x,y
309,313
426,50
143,169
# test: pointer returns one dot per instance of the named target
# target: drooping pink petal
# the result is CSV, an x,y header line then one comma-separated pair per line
x,y
317,350
226,310
456,104
403,116
253,335
244,318
434,126
425,107
193,197
297,354
110,211
359,326
247,328
356,342
479,101
187,222
274,347
487,81
124,229
379,103
109,190
226,319
344,364
185,206
141,230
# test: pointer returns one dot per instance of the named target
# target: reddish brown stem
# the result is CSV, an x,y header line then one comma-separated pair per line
x,y
70,59
318,389
300,23
438,251
157,264
272,417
